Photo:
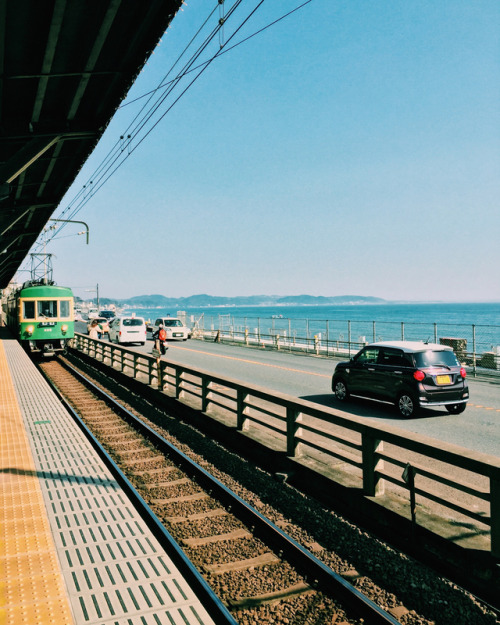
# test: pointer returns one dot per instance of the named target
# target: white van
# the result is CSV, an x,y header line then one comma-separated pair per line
x,y
127,330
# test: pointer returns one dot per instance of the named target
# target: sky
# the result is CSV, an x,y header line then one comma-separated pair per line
x,y
351,148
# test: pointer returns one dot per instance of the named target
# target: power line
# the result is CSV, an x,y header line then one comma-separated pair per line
x,y
257,32
101,174
123,148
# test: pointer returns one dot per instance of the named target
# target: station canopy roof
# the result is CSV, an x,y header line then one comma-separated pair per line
x,y
65,66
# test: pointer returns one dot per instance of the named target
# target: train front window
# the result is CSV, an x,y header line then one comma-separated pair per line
x,y
29,310
47,308
64,308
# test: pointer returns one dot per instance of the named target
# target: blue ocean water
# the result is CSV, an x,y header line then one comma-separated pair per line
x,y
478,323
447,313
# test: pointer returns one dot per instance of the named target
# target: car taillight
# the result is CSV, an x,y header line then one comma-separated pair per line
x,y
463,372
419,376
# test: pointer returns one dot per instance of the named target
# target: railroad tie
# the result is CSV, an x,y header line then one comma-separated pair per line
x,y
182,498
179,482
234,535
241,565
198,516
295,590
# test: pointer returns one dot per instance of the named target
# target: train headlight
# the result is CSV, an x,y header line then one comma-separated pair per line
x,y
64,329
30,330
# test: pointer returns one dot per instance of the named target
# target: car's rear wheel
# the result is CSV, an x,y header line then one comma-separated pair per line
x,y
455,408
340,390
407,405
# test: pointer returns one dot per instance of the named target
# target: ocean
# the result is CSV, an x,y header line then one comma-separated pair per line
x,y
477,323
449,313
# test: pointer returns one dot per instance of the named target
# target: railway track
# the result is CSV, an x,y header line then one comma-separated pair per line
x,y
259,572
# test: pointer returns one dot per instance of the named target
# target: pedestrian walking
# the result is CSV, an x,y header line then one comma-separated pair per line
x,y
160,337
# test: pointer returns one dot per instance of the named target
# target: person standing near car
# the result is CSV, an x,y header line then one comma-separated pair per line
x,y
94,330
160,337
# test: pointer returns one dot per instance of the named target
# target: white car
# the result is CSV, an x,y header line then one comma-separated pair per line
x,y
127,330
174,328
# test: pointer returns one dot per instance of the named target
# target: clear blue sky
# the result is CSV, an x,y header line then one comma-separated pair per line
x,y
353,148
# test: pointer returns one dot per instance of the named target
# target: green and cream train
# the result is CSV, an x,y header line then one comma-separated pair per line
x,y
41,317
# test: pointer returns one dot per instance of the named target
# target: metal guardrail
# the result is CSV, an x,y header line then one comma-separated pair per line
x,y
477,346
311,567
457,479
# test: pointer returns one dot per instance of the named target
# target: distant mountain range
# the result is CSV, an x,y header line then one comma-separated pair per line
x,y
211,301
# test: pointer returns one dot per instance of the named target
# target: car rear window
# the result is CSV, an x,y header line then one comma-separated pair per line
x,y
133,322
435,358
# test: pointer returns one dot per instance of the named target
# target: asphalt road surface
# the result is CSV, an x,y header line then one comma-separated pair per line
x,y
309,377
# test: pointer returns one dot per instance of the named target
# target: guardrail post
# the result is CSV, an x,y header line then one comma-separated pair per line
x,y
178,379
159,374
495,516
204,394
474,360
372,484
293,418
126,363
240,409
106,354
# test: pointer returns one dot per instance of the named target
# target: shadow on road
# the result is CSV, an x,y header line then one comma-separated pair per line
x,y
360,407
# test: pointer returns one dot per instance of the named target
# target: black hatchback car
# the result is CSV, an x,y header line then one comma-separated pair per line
x,y
408,374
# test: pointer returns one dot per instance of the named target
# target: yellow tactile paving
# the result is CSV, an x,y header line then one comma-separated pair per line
x,y
32,589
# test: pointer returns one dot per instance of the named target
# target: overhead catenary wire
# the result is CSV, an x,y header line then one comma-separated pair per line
x,y
117,149
98,178
122,149
225,51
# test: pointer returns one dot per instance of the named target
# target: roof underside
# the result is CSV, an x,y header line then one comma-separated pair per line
x,y
65,66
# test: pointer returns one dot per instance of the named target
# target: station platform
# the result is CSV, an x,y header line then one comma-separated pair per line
x,y
73,550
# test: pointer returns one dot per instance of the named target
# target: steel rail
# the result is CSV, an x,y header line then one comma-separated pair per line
x,y
318,575
214,606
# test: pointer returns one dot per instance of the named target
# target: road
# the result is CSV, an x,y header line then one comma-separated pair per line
x,y
309,377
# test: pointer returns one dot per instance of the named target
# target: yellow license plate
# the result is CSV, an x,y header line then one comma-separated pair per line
x,y
443,379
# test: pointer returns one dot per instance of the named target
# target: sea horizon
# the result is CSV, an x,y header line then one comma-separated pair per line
x,y
477,322
478,313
